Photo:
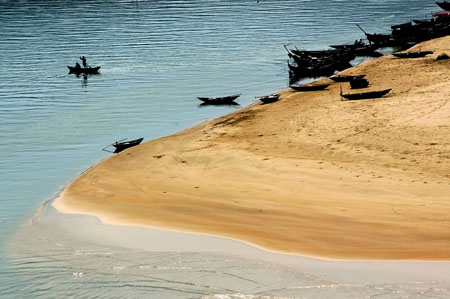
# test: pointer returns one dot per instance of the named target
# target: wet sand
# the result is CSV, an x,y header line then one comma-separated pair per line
x,y
309,174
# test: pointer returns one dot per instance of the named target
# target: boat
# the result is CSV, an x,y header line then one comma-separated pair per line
x,y
300,87
83,70
401,26
360,48
270,98
311,71
412,54
359,83
365,95
444,5
342,78
220,100
122,145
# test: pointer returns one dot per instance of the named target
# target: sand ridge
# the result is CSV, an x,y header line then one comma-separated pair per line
x,y
309,174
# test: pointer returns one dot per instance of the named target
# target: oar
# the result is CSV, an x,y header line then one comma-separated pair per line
x,y
361,29
104,149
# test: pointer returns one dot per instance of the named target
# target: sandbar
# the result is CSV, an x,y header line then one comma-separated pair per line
x,y
310,174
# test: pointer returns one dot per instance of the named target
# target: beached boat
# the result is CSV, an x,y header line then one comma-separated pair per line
x,y
300,87
365,95
84,70
359,83
342,78
270,98
219,100
412,54
444,5
122,145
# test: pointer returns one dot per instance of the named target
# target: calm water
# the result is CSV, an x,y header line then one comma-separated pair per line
x,y
156,57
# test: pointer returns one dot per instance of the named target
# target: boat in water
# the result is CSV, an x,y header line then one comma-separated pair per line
x,y
228,100
83,70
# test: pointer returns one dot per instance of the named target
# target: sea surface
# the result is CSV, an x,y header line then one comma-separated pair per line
x,y
156,57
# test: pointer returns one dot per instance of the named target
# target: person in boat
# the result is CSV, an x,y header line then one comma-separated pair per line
x,y
83,59
77,66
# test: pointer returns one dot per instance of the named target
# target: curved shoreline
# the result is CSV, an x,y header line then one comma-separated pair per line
x,y
259,174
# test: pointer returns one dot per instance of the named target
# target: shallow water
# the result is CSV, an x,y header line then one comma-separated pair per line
x,y
156,58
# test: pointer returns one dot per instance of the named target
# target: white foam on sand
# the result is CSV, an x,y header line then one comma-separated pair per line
x,y
91,229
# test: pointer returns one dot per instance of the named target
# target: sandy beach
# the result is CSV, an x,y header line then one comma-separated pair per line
x,y
310,174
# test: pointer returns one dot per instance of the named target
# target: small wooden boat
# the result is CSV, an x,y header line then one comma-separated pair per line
x,y
365,95
349,78
84,70
444,5
412,54
220,100
270,98
359,83
300,87
122,145
401,26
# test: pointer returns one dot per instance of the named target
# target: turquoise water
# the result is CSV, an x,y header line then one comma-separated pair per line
x,y
156,58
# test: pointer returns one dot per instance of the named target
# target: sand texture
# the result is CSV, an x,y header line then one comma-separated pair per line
x,y
309,174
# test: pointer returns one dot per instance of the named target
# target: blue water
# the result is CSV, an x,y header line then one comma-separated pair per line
x,y
156,57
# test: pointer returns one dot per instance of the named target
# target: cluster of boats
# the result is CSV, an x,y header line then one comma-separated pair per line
x,y
415,31
312,64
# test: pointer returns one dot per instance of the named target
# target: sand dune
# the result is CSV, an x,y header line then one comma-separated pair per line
x,y
309,174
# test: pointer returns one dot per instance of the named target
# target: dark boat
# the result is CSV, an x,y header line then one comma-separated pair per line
x,y
300,87
122,145
412,54
359,83
349,78
359,48
444,5
220,100
311,71
270,98
84,70
401,26
365,95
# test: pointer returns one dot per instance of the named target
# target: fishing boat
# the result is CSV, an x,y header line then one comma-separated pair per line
x,y
359,48
122,145
359,83
220,100
348,78
270,98
300,87
83,70
412,54
444,5
365,95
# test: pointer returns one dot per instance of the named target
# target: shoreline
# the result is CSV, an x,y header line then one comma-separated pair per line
x,y
238,165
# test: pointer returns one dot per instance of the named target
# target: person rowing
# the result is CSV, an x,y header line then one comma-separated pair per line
x,y
83,59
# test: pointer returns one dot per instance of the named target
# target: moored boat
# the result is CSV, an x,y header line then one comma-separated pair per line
x,y
300,87
122,145
359,83
412,54
219,100
270,98
444,5
365,95
346,78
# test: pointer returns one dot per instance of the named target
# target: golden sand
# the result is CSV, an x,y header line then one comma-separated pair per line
x,y
309,174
